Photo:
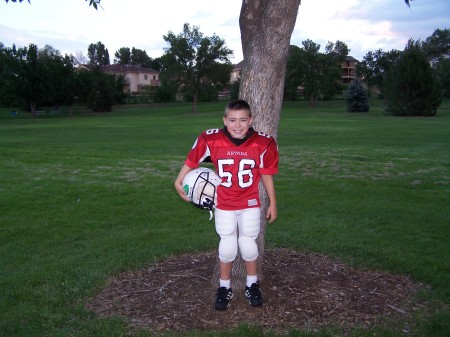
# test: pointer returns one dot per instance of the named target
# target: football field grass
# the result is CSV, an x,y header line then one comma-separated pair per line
x,y
87,197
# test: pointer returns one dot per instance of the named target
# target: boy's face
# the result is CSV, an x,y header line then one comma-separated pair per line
x,y
237,122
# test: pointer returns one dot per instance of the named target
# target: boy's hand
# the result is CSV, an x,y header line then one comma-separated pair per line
x,y
267,180
180,191
179,182
271,214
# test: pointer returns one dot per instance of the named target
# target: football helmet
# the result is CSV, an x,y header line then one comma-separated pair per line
x,y
200,186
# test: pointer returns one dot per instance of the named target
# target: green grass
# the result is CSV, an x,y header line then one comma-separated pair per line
x,y
84,198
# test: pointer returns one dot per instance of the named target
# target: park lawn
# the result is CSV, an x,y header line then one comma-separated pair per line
x,y
86,197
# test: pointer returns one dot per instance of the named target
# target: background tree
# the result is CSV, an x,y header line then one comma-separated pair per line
x,y
336,53
99,91
122,56
58,78
35,77
30,74
293,78
79,58
195,61
410,87
167,90
443,75
437,45
374,66
9,65
311,68
356,97
98,54
318,73
136,57
234,90
139,57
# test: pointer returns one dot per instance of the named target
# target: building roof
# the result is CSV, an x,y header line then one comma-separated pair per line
x,y
350,58
120,69
238,65
126,68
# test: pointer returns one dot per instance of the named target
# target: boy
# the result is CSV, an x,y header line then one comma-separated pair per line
x,y
241,157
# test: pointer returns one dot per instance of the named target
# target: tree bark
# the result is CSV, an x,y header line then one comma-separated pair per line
x,y
266,29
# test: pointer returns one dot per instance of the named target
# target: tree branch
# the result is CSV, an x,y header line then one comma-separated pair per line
x,y
93,3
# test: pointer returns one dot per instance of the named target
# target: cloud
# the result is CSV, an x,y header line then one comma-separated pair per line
x,y
369,25
70,26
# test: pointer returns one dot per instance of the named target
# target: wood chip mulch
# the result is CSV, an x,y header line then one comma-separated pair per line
x,y
304,291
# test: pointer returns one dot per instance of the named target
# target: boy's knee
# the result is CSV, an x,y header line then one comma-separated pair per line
x,y
248,248
227,249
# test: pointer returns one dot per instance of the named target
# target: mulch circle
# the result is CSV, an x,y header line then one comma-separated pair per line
x,y
300,291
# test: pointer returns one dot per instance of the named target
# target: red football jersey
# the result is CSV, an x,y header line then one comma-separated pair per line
x,y
239,163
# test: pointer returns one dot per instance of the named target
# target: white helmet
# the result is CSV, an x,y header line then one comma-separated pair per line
x,y
200,187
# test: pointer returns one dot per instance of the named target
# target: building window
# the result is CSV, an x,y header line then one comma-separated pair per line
x,y
145,77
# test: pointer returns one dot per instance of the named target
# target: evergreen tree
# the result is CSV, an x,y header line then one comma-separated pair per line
x,y
410,86
357,97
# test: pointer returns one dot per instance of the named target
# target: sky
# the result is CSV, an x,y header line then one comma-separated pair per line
x,y
70,26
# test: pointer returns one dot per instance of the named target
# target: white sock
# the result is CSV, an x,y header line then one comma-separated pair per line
x,y
225,283
251,279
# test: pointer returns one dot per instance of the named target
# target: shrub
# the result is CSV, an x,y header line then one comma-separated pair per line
x,y
356,97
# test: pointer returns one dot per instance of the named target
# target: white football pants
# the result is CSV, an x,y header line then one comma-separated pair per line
x,y
237,228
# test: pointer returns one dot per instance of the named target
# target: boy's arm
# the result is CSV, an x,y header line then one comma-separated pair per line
x,y
178,182
269,185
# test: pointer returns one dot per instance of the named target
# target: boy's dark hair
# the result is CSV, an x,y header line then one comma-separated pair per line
x,y
238,104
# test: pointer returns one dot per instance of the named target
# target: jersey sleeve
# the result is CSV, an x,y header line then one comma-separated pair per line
x,y
198,153
269,159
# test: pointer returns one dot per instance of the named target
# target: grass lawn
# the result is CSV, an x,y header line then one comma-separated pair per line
x,y
86,197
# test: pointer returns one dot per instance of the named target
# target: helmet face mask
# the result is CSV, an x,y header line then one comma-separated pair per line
x,y
200,186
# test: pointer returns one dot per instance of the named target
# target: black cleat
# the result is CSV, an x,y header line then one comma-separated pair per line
x,y
223,298
254,295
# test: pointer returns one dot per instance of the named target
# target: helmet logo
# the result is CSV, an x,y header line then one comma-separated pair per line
x,y
186,189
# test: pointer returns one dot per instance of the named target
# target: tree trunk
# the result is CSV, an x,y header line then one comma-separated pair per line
x,y
33,108
194,101
266,29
